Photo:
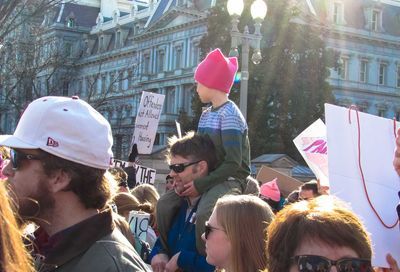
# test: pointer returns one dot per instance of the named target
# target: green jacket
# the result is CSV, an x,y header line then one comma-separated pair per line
x,y
92,245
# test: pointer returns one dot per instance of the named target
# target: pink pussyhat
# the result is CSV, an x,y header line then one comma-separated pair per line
x,y
217,71
271,190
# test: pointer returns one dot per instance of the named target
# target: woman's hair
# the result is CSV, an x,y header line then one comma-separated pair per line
x,y
126,202
119,175
14,256
325,219
4,152
245,219
147,193
93,186
123,226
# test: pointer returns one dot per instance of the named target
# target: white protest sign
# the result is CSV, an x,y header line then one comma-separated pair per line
x,y
147,119
178,129
139,223
360,154
312,145
143,174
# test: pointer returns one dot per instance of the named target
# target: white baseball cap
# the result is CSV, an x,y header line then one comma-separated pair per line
x,y
66,127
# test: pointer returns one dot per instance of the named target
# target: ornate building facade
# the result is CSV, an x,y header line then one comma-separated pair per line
x,y
366,35
112,51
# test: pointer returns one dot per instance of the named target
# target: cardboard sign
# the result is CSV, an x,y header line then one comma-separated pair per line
x,y
147,119
139,223
285,183
143,174
361,151
312,145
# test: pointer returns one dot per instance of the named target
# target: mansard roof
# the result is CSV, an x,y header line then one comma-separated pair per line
x,y
162,7
85,16
176,16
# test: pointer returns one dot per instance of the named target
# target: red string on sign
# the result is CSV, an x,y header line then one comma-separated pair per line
x,y
353,107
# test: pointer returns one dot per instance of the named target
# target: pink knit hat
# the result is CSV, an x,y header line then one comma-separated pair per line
x,y
271,190
217,71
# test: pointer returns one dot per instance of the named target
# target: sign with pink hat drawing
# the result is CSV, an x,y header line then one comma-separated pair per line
x,y
312,145
147,119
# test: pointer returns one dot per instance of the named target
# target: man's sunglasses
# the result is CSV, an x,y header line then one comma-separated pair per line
x,y
16,157
180,167
314,263
208,229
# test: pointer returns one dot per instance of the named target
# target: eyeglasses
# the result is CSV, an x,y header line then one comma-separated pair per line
x,y
313,263
180,167
16,157
208,229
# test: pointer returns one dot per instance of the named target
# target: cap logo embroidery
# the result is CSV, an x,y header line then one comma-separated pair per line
x,y
51,142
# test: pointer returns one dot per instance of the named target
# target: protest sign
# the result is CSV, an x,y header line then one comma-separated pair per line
x,y
178,129
312,145
139,223
285,183
143,174
146,123
361,150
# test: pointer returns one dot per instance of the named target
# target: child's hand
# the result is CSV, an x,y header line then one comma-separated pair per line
x,y
190,190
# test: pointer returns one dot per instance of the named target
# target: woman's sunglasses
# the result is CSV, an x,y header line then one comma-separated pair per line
x,y
313,263
16,157
208,229
180,167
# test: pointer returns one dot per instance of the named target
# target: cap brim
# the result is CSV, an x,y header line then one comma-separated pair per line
x,y
14,142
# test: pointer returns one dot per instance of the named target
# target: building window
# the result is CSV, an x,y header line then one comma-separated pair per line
x,y
65,88
112,82
382,73
118,146
195,54
343,69
71,22
398,76
130,78
146,64
120,80
67,49
157,139
101,43
364,71
337,13
381,112
118,39
178,57
170,100
375,20
80,87
103,83
160,61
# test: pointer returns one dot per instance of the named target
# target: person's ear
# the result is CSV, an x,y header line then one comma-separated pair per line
x,y
203,167
59,181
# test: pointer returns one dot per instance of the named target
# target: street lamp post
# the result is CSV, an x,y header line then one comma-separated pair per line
x,y
246,40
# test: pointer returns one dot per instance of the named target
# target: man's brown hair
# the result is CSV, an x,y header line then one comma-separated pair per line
x,y
195,147
90,184
323,219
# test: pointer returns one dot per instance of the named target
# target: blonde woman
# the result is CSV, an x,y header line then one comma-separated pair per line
x,y
235,233
13,255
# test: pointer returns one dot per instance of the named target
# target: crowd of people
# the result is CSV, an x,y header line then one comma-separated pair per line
x,y
65,208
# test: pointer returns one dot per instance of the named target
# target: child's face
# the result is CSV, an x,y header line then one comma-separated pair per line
x,y
204,93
